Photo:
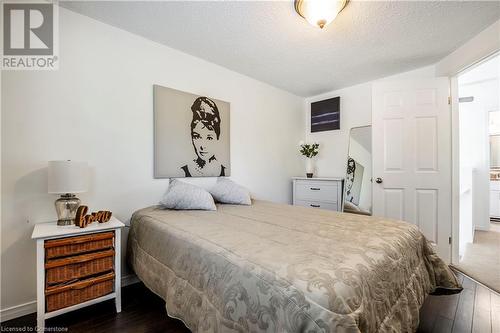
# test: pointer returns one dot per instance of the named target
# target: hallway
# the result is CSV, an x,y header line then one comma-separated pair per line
x,y
481,259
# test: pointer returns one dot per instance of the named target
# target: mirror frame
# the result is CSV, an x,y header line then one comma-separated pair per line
x,y
345,168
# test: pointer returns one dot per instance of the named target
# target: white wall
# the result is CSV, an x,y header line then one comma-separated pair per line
x,y
466,227
355,110
98,107
482,83
474,146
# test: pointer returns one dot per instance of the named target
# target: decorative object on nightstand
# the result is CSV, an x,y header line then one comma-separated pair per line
x,y
76,267
309,151
67,178
322,193
82,219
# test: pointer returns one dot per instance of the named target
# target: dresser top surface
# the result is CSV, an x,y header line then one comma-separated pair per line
x,y
319,178
52,230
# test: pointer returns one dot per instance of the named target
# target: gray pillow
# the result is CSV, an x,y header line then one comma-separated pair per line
x,y
227,191
185,196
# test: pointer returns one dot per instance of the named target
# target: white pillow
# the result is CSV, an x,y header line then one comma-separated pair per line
x,y
185,196
227,191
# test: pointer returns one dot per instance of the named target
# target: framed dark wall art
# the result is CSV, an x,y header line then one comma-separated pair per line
x,y
191,135
325,115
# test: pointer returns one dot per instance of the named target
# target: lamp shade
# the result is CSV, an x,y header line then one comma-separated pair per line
x,y
319,12
67,177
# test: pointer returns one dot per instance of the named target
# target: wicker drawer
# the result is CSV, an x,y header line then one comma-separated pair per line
x,y
80,244
65,269
58,297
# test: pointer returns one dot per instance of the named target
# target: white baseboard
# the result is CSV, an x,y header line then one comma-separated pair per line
x,y
129,279
30,307
17,311
478,227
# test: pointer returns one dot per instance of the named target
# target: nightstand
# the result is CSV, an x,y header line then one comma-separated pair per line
x,y
322,193
76,267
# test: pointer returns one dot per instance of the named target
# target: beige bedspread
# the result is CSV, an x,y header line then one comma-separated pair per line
x,y
279,268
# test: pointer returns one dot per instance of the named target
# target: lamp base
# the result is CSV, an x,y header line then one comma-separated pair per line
x,y
66,207
65,222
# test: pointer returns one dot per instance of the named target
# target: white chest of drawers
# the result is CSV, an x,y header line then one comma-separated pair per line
x,y
322,193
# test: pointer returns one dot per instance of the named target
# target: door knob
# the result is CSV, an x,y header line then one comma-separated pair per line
x,y
378,180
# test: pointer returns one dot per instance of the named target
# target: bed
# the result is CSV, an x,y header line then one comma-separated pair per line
x,y
278,268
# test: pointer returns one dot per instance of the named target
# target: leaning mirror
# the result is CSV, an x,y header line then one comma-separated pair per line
x,y
358,181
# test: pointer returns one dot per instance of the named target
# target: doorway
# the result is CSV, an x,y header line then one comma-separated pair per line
x,y
479,172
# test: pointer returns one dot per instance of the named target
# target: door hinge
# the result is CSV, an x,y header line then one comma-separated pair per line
x,y
449,100
449,240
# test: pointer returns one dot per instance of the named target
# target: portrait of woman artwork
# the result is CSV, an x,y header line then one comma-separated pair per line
x,y
191,135
353,181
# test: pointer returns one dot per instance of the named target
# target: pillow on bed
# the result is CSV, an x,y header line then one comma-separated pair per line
x,y
184,196
227,191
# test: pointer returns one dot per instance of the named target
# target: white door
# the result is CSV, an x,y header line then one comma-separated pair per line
x,y
412,156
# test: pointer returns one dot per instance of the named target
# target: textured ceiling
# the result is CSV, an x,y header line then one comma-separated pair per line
x,y
488,70
268,41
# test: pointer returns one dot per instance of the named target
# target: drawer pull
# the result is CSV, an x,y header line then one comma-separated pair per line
x,y
315,206
315,189
82,285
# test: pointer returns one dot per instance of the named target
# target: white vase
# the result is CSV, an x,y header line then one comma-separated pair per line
x,y
309,167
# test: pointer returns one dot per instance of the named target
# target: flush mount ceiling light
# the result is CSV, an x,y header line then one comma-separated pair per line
x,y
319,13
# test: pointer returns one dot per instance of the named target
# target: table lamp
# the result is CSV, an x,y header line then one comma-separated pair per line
x,y
67,178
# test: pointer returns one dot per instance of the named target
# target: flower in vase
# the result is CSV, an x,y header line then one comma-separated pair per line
x,y
309,150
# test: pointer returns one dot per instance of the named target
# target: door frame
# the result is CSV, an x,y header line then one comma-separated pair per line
x,y
455,155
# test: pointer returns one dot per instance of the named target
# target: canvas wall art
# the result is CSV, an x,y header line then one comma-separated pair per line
x,y
191,135
325,115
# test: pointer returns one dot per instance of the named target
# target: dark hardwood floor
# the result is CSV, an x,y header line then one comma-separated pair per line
x,y
476,309
142,312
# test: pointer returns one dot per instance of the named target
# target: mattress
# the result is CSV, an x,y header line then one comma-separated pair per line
x,y
278,268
